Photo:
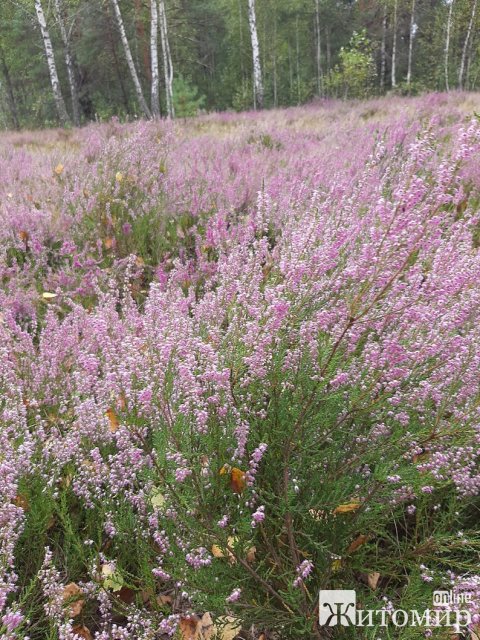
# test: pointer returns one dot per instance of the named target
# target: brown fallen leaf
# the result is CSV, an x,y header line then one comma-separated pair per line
x,y
238,480
218,552
82,631
59,169
372,580
21,501
475,632
357,543
71,597
109,242
348,507
164,600
188,626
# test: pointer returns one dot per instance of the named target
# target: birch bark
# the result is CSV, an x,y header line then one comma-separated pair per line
x,y
52,67
130,63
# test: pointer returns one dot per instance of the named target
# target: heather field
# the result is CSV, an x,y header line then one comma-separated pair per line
x,y
240,363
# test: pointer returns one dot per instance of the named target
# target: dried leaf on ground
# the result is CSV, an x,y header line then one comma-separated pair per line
x,y
348,507
71,597
372,580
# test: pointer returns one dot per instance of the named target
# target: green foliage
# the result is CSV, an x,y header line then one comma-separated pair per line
x,y
186,100
354,76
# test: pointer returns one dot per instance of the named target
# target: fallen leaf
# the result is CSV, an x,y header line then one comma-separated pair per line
x,y
337,564
238,480
113,420
348,508
59,169
164,600
71,597
227,628
361,539
127,595
111,579
46,295
21,501
251,554
119,176
218,552
475,632
82,631
372,580
157,499
188,626
109,243
205,627
23,235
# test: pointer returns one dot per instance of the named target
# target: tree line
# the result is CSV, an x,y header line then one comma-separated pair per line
x,y
73,61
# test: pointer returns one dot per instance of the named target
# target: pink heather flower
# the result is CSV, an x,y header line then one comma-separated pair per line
x,y
223,522
258,516
12,619
234,596
303,571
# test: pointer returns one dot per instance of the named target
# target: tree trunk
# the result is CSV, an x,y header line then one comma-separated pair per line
x,y
394,46
383,49
275,81
130,63
167,59
155,95
257,68
12,105
318,52
410,44
68,62
52,67
465,45
447,43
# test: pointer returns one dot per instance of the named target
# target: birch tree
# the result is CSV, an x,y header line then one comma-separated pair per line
x,y
130,63
68,62
410,42
167,59
52,67
465,44
318,51
394,45
155,92
383,48
447,43
257,68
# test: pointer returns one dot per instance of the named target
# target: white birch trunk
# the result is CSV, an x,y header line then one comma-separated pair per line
x,y
130,63
257,68
410,43
465,45
155,92
383,49
167,59
69,63
447,43
394,46
318,49
52,67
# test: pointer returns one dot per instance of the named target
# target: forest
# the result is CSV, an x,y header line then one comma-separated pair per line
x,y
70,62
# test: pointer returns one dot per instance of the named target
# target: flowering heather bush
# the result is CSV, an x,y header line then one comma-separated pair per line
x,y
240,362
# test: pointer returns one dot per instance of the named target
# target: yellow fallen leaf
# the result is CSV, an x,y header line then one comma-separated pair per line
x,y
59,169
337,564
46,295
113,420
119,176
227,628
157,499
347,508
218,552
